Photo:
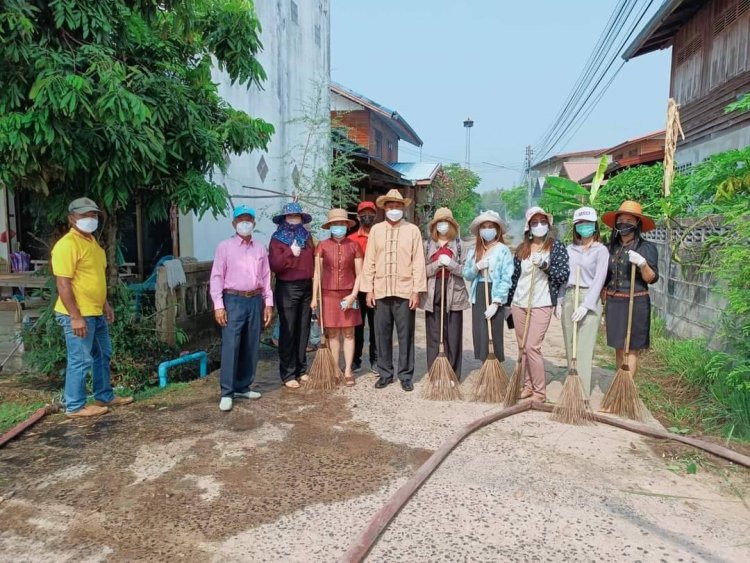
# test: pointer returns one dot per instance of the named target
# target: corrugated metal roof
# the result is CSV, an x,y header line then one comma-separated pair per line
x,y
417,171
578,170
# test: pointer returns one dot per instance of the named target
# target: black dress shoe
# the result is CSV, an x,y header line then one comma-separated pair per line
x,y
407,385
383,382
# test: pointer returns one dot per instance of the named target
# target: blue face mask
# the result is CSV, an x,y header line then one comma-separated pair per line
x,y
338,231
488,234
585,229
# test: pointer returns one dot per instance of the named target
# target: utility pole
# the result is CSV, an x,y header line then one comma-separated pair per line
x,y
468,124
529,181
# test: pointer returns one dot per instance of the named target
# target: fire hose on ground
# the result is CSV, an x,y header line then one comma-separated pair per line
x,y
383,517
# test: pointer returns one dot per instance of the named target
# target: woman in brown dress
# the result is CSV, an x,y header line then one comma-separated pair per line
x,y
338,266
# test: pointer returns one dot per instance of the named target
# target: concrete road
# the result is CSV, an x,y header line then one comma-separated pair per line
x,y
296,475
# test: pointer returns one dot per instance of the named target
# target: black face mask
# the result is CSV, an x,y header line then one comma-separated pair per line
x,y
367,220
624,228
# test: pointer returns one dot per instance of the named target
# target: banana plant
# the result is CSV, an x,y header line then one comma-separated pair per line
x,y
561,196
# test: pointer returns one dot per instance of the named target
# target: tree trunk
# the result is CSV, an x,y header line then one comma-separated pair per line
x,y
174,229
110,242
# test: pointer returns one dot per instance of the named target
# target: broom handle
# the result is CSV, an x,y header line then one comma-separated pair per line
x,y
319,263
489,321
442,306
575,308
630,313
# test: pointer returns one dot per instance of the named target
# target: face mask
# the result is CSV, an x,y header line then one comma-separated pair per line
x,y
367,220
395,215
443,227
624,228
585,229
294,220
244,228
488,234
87,224
540,230
338,231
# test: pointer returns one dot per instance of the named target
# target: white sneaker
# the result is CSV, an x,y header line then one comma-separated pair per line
x,y
225,404
248,395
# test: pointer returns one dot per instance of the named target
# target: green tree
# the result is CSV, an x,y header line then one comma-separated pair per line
x,y
514,201
455,187
114,99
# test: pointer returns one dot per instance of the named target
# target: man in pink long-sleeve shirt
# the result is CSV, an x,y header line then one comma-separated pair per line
x,y
241,292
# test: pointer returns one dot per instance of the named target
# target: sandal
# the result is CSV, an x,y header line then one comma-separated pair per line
x,y
292,384
304,377
349,380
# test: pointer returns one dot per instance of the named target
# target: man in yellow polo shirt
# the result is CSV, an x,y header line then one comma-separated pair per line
x,y
79,265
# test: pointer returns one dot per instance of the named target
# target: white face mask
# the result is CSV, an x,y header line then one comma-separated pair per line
x,y
245,228
87,224
443,227
395,215
294,220
540,230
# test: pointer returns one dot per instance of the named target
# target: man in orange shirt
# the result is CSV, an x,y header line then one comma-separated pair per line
x,y
366,212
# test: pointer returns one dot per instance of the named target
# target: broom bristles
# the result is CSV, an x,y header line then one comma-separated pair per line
x,y
573,407
492,383
442,383
515,385
622,397
324,373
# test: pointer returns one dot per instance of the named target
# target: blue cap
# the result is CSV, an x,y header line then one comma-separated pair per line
x,y
243,210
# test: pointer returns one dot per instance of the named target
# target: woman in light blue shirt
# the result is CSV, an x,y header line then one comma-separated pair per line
x,y
490,262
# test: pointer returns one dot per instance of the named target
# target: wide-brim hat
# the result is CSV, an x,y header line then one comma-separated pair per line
x,y
338,215
444,214
531,211
392,195
488,216
292,208
631,208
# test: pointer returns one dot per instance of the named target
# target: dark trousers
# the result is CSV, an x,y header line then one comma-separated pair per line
x,y
240,340
390,312
453,326
293,303
368,316
479,326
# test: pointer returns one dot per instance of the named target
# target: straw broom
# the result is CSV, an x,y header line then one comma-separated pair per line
x,y
622,397
442,383
573,407
492,383
516,380
324,372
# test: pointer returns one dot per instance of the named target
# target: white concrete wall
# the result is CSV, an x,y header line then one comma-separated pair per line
x,y
297,66
693,154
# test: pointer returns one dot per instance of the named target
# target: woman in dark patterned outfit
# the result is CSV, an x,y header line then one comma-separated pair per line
x,y
544,258
626,250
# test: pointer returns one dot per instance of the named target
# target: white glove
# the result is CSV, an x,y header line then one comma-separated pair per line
x,y
537,259
557,310
491,310
296,248
636,258
444,260
483,264
578,314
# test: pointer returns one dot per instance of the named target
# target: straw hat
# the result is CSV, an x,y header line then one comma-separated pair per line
x,y
443,214
393,195
531,211
631,208
488,216
292,208
338,215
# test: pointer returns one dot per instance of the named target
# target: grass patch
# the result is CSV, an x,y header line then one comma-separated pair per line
x,y
11,413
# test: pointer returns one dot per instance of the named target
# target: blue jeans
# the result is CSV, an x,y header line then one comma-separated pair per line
x,y
240,341
90,354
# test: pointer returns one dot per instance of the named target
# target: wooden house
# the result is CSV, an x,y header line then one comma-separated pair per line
x,y
648,149
710,42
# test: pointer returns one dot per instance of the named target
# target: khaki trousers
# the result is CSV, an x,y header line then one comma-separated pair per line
x,y
534,379
587,331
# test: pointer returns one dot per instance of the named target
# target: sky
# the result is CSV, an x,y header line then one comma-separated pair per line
x,y
506,65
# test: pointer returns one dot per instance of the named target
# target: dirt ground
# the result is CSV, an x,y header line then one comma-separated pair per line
x,y
296,475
